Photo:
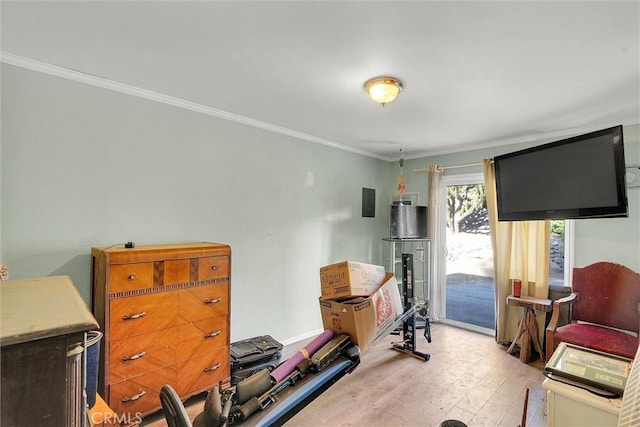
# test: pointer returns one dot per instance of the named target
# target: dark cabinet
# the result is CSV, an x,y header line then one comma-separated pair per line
x,y
42,333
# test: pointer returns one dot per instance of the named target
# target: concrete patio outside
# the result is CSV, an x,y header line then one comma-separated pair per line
x,y
470,295
470,299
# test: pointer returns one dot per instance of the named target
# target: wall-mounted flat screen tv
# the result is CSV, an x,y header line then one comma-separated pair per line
x,y
578,177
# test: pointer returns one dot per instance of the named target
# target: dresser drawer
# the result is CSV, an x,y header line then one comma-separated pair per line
x,y
214,267
204,336
203,371
130,277
135,356
142,314
203,302
174,271
140,394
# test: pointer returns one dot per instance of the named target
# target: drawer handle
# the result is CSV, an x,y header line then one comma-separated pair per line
x,y
134,356
212,334
134,397
134,316
214,267
212,368
132,277
212,301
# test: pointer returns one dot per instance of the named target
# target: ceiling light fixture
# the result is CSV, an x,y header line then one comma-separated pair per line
x,y
383,89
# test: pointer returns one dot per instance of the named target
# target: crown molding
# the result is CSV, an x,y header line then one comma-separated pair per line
x,y
542,137
67,73
104,83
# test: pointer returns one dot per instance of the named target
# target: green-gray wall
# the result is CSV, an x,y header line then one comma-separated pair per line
x,y
84,166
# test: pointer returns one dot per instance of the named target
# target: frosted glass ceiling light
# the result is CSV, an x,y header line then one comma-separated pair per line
x,y
383,89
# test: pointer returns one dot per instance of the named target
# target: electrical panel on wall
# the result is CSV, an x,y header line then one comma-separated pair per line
x,y
368,203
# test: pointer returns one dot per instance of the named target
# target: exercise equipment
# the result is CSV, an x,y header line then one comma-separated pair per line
x,y
319,364
409,344
296,398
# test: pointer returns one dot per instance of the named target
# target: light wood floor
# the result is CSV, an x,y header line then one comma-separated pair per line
x,y
469,378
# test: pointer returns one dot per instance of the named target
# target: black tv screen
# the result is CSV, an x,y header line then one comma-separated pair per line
x,y
578,177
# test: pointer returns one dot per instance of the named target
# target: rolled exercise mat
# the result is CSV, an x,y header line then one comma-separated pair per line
x,y
290,364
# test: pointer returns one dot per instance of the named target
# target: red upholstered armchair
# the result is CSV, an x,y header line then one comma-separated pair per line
x,y
604,311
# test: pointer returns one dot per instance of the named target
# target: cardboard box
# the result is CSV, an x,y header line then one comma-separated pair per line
x,y
363,318
350,279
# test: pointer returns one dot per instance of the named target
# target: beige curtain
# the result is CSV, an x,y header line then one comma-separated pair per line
x,y
520,251
437,234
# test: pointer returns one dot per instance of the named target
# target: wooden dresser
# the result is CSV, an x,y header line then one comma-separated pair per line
x,y
164,311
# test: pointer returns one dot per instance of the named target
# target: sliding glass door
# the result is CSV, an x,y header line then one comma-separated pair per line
x,y
469,293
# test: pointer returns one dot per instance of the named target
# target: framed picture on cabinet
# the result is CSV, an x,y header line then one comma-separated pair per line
x,y
595,368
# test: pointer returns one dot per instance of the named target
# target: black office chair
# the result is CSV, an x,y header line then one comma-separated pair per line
x,y
176,414
174,411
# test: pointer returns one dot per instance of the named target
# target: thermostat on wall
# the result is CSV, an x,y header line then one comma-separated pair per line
x,y
633,176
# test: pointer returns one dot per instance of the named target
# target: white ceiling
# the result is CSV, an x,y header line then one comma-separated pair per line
x,y
476,73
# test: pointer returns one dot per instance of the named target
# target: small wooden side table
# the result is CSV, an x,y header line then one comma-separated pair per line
x,y
528,327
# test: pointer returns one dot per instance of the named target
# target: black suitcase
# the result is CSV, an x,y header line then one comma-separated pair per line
x,y
253,355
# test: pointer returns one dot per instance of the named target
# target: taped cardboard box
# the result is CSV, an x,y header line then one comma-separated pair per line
x,y
364,317
350,279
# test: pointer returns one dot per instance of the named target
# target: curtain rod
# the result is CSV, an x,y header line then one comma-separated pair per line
x,y
465,165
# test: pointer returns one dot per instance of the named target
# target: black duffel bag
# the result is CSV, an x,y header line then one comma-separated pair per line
x,y
253,355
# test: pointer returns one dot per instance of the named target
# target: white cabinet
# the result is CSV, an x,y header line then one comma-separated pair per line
x,y
568,405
